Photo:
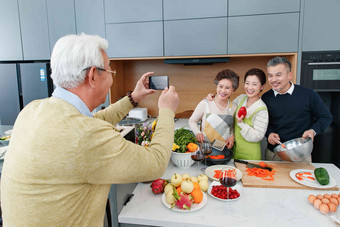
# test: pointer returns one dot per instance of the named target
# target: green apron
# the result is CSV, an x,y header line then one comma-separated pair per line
x,y
244,149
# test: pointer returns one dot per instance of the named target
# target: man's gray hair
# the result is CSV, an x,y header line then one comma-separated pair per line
x,y
280,60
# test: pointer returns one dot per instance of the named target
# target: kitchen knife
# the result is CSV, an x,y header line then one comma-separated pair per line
x,y
252,165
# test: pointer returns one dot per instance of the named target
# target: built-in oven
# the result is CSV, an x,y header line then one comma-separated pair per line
x,y
321,70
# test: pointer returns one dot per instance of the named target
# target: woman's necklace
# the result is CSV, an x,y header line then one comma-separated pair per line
x,y
221,108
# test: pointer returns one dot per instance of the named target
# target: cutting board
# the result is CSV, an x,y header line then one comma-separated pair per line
x,y
282,178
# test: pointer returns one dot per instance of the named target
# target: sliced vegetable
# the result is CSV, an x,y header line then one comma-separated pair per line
x,y
220,156
218,172
262,173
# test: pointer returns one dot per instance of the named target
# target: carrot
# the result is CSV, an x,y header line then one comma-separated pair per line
x,y
217,173
303,175
263,164
262,173
220,156
229,172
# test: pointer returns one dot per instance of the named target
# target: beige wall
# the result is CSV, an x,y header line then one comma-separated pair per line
x,y
192,83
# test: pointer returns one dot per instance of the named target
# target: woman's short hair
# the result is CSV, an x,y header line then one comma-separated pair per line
x,y
258,73
74,53
228,74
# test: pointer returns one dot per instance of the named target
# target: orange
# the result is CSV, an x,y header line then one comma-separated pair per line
x,y
196,186
179,189
198,195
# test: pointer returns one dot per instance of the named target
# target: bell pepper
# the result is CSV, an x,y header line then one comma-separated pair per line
x,y
242,112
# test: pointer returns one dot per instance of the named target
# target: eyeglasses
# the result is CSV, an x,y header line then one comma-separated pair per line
x,y
110,71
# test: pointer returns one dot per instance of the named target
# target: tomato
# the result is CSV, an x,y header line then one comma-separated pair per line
x,y
242,111
220,192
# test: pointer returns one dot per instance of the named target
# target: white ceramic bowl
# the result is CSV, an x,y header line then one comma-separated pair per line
x,y
182,160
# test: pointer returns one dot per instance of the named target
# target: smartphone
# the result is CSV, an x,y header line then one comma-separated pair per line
x,y
158,82
218,144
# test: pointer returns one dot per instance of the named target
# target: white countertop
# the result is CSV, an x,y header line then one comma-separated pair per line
x,y
256,207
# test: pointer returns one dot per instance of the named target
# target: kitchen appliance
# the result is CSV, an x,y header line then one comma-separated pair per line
x,y
196,61
20,84
321,70
252,165
281,176
139,113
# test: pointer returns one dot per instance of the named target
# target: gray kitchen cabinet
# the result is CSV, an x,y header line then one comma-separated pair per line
x,y
90,17
321,29
273,33
10,38
34,29
195,37
246,7
9,94
188,9
142,39
61,19
118,11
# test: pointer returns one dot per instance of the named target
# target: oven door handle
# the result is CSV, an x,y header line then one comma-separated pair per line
x,y
324,63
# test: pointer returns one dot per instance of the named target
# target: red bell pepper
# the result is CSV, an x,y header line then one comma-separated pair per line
x,y
242,112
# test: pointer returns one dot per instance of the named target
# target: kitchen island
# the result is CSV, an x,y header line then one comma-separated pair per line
x,y
255,207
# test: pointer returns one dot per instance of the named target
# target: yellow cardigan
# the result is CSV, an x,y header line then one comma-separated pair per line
x,y
60,164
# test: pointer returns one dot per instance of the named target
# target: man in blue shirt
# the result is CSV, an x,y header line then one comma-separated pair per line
x,y
294,111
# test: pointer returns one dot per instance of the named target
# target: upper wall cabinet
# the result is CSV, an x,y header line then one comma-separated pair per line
x,y
246,7
10,38
195,37
321,30
118,11
189,9
143,39
61,19
34,29
271,33
90,17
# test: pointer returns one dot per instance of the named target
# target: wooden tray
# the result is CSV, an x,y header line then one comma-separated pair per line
x,y
282,178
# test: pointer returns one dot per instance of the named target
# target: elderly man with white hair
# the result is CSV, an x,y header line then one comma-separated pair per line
x,y
62,160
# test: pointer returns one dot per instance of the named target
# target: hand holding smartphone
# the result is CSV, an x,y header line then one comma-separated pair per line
x,y
158,82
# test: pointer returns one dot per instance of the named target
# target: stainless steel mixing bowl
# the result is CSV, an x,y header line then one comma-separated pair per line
x,y
296,149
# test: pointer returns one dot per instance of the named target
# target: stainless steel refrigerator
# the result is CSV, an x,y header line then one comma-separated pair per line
x,y
21,83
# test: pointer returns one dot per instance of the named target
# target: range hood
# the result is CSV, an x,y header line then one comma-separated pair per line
x,y
196,61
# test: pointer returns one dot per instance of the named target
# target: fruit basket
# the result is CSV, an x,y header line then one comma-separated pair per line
x,y
182,160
